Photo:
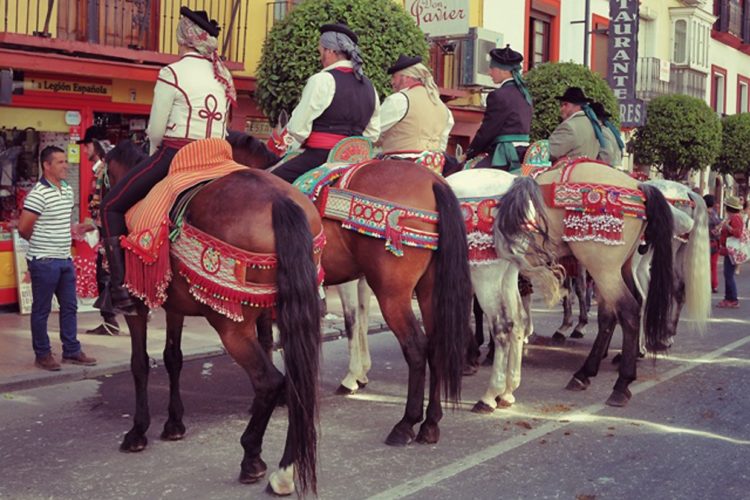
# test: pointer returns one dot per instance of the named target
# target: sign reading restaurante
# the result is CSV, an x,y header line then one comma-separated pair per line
x,y
623,60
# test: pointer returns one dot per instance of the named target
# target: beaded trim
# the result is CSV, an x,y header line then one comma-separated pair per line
x,y
479,218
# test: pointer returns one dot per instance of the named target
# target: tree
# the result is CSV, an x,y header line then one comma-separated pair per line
x,y
735,148
681,134
290,53
549,80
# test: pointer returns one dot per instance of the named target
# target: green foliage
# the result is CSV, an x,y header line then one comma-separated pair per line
x,y
549,80
681,134
290,53
735,149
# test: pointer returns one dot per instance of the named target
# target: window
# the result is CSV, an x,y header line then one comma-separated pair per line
x,y
743,94
599,45
679,55
719,90
539,41
732,18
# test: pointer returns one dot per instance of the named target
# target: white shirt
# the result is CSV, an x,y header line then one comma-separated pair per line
x,y
316,97
394,109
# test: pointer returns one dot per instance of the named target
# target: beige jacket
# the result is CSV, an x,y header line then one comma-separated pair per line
x,y
424,126
573,138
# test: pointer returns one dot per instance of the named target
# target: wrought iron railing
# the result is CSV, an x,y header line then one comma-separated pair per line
x,y
689,82
650,82
146,25
733,18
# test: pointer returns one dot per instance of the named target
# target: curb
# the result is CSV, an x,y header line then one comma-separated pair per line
x,y
76,374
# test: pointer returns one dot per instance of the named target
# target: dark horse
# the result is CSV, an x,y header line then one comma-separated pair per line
x,y
254,211
439,277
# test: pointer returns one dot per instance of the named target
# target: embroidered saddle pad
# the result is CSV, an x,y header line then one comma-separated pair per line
x,y
479,218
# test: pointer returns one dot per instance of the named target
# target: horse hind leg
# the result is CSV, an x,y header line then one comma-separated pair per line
x,y
581,289
567,304
355,301
174,428
135,439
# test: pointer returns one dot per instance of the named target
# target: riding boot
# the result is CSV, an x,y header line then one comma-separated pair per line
x,y
122,302
104,300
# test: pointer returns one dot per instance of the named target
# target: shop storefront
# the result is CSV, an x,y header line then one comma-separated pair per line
x,y
55,110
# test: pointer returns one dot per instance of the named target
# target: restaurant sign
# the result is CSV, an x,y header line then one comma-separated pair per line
x,y
440,17
623,60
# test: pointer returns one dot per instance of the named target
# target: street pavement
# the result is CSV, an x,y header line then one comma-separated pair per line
x,y
685,433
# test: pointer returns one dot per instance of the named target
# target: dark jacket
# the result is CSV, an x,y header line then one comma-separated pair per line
x,y
351,108
507,113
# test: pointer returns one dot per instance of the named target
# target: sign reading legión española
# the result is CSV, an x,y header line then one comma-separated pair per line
x,y
67,87
440,17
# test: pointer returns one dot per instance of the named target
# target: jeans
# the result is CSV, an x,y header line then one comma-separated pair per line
x,y
730,287
58,277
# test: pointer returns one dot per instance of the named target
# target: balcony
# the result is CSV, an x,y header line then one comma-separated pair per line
x,y
688,81
651,81
140,31
733,19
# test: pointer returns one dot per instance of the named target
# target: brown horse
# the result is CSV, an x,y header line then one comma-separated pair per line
x,y
257,212
439,277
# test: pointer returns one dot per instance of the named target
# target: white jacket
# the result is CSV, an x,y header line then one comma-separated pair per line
x,y
189,102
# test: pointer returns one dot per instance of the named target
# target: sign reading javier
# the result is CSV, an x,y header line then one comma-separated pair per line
x,y
440,17
623,60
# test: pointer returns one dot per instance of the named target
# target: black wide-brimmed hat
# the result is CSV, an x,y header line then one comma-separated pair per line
x,y
340,28
93,132
404,62
200,17
574,95
600,111
506,56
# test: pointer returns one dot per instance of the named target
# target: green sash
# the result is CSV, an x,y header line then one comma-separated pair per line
x,y
505,154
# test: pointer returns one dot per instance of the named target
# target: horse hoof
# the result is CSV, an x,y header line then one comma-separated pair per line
x,y
618,399
173,431
428,433
342,390
558,338
576,335
617,358
270,491
253,471
133,442
361,385
398,437
504,403
470,370
488,361
577,384
482,408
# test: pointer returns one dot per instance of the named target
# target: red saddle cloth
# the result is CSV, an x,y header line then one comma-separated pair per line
x,y
147,265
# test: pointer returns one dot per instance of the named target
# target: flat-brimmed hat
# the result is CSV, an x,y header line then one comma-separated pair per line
x,y
404,62
93,132
733,202
200,17
506,57
574,95
340,28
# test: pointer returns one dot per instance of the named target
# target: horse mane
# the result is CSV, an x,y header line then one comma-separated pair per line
x,y
252,146
126,153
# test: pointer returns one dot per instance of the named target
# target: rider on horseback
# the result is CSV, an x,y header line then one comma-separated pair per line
x,y
504,133
188,105
413,119
579,134
337,102
611,151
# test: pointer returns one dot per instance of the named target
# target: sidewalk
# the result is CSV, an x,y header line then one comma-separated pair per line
x,y
17,370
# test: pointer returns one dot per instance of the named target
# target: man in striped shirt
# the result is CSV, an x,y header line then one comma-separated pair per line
x,y
46,223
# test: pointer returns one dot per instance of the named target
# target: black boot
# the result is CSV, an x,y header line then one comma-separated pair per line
x,y
122,302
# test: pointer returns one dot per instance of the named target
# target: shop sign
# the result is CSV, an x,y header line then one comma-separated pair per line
x,y
258,127
623,60
440,17
72,118
74,153
57,86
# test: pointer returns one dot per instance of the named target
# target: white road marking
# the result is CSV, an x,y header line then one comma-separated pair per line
x,y
454,468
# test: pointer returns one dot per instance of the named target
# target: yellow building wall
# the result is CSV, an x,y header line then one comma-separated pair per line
x,y
22,16
662,25
41,119
134,92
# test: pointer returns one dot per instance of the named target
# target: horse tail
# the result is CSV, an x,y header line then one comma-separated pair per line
x,y
659,229
522,210
452,292
696,266
298,317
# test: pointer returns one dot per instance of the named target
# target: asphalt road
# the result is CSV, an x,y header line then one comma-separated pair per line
x,y
685,433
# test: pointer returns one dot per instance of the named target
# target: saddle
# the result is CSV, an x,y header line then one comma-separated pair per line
x,y
147,249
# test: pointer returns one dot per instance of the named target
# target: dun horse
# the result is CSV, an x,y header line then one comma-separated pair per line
x,y
253,212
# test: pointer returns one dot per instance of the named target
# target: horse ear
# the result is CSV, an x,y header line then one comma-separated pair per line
x,y
283,119
460,153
